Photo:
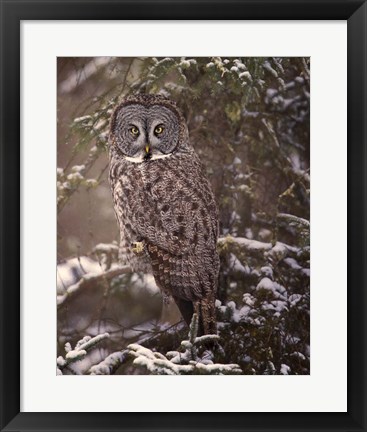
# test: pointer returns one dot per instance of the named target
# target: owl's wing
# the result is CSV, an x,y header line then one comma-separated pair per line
x,y
162,222
168,207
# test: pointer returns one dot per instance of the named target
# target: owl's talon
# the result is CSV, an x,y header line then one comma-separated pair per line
x,y
137,247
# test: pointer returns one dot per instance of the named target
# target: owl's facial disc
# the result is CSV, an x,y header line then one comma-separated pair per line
x,y
146,133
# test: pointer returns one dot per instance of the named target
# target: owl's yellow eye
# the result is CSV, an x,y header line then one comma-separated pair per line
x,y
134,130
158,130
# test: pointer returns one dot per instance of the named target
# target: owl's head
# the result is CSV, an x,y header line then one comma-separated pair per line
x,y
148,127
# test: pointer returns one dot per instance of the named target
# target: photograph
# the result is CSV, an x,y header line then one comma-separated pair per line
x,y
183,216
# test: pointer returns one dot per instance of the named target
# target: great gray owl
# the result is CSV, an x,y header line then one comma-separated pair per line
x,y
164,204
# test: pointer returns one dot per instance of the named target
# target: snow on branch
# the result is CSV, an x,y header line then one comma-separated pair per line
x,y
80,351
187,362
242,247
89,280
158,364
243,243
295,220
110,364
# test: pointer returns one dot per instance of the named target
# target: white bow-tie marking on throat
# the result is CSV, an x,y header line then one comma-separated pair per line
x,y
140,158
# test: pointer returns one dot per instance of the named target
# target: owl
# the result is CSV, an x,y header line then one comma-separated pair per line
x,y
164,204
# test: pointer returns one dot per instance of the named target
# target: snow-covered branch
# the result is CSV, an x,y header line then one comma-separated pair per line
x,y
188,362
89,280
79,352
110,364
244,247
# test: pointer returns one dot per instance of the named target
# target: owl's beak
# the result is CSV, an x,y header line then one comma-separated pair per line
x,y
148,153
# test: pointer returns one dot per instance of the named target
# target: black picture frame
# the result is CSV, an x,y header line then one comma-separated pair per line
x,y
12,12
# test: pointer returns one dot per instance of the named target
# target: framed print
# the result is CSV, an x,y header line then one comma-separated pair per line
x,y
183,195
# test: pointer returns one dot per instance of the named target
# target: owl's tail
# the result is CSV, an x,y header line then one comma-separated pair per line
x,y
204,308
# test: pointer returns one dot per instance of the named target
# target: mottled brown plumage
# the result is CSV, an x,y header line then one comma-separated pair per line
x,y
164,202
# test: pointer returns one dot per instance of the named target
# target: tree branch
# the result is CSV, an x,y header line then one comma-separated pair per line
x,y
89,280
